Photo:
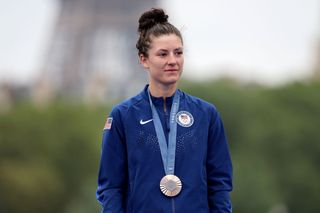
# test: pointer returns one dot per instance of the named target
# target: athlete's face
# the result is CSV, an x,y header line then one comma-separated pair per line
x,y
165,60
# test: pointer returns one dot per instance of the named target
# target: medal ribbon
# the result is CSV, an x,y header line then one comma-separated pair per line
x,y
168,152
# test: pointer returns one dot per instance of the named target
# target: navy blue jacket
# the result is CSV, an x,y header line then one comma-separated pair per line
x,y
131,165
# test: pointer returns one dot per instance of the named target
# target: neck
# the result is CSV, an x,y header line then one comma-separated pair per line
x,y
162,90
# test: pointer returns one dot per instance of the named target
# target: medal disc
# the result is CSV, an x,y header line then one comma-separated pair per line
x,y
170,185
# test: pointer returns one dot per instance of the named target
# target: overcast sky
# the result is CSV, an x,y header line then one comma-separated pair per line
x,y
269,41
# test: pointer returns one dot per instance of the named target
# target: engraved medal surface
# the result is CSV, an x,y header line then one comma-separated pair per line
x,y
170,185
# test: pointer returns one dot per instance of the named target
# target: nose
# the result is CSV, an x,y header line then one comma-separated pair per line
x,y
172,60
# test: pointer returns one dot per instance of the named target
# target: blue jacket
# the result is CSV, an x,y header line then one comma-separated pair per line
x,y
131,165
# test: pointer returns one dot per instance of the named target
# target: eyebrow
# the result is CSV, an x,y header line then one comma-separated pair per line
x,y
176,49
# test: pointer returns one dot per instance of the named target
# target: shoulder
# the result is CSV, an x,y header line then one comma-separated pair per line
x,y
122,108
207,109
200,106
199,103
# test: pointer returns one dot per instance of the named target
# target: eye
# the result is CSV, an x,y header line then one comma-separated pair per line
x,y
178,53
162,54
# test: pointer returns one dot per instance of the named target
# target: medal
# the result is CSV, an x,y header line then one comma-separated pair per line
x,y
170,185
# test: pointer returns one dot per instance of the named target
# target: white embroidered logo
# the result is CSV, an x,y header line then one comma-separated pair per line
x,y
142,122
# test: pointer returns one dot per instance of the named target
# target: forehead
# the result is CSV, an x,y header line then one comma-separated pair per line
x,y
170,41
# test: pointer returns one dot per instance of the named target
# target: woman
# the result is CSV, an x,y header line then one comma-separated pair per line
x,y
164,150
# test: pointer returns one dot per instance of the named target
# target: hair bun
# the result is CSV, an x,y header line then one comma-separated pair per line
x,y
151,18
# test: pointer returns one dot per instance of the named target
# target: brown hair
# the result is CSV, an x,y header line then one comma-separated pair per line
x,y
153,22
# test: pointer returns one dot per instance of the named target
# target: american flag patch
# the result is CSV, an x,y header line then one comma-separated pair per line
x,y
108,123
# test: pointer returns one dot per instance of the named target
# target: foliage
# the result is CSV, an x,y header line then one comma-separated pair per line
x,y
274,140
49,156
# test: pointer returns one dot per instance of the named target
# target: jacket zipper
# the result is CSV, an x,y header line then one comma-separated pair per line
x,y
173,206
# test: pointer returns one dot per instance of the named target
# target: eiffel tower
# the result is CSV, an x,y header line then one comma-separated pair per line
x,y
92,52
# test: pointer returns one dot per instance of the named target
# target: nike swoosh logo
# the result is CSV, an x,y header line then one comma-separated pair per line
x,y
145,122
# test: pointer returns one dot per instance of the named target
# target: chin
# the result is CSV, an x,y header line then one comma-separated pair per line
x,y
171,81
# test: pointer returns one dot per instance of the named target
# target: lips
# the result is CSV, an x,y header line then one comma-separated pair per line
x,y
171,70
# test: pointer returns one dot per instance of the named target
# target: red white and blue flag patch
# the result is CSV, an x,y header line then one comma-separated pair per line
x,y
108,123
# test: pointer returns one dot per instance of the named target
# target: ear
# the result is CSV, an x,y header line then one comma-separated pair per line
x,y
144,61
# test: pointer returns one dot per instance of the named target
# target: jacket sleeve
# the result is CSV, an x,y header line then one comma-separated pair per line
x,y
112,176
219,167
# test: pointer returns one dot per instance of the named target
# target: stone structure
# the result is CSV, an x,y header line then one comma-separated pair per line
x,y
92,54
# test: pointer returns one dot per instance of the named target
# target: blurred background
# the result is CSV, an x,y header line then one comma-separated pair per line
x,y
65,63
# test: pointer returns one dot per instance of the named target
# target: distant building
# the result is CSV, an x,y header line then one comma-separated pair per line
x,y
92,54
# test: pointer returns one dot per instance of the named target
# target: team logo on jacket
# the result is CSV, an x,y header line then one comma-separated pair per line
x,y
184,119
